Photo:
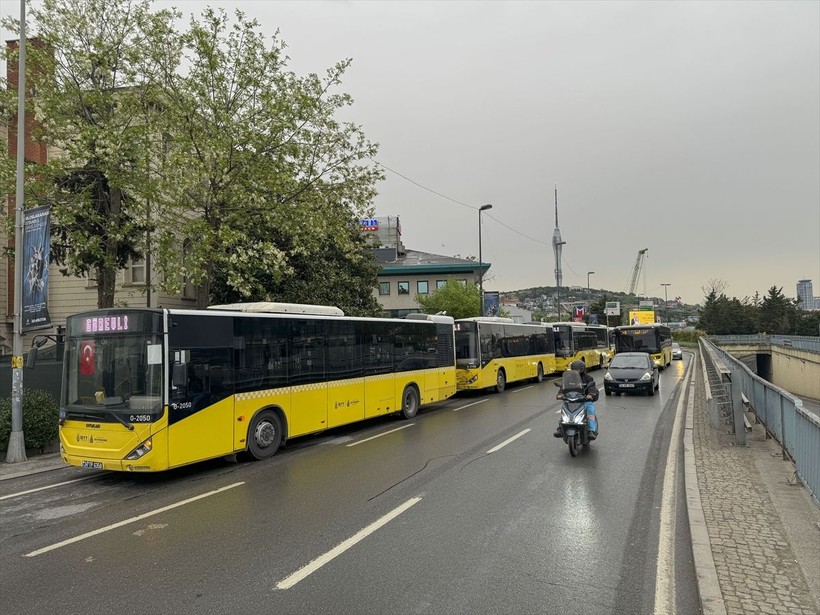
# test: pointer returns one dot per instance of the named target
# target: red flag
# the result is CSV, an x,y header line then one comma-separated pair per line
x,y
88,351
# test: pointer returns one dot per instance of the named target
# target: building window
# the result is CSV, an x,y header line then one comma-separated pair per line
x,y
440,284
135,272
404,288
422,287
384,288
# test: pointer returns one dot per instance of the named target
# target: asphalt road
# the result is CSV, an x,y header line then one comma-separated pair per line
x,y
472,507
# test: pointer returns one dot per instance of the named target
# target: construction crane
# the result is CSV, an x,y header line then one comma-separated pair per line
x,y
636,271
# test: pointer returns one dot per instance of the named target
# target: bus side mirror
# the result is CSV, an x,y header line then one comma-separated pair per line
x,y
31,359
178,376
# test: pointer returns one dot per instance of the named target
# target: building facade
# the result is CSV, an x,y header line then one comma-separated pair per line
x,y
805,296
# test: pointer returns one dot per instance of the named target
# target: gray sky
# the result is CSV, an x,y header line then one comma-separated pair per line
x,y
688,128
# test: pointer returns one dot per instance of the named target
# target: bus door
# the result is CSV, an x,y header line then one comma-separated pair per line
x,y
307,376
201,404
345,372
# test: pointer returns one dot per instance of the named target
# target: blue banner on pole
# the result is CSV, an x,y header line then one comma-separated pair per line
x,y
492,303
36,254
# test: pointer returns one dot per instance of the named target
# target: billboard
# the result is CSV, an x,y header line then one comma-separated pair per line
x,y
492,303
641,317
613,308
36,253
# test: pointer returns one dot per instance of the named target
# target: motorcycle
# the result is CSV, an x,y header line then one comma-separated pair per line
x,y
574,425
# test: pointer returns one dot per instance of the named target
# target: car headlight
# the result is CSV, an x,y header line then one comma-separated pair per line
x,y
646,376
607,376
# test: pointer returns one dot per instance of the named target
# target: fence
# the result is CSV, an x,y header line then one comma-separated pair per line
x,y
780,412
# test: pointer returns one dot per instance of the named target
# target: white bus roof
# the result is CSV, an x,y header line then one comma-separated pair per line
x,y
272,307
440,318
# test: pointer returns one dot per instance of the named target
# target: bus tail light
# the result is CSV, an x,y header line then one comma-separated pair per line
x,y
141,450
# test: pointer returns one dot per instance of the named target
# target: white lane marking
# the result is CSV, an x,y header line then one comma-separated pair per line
x,y
128,521
68,482
665,568
507,441
514,391
379,435
468,405
320,561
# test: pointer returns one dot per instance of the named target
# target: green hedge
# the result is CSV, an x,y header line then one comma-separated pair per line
x,y
687,336
40,415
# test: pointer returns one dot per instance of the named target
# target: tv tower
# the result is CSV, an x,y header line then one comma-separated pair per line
x,y
557,245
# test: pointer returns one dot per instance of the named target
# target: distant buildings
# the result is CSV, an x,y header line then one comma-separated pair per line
x,y
805,296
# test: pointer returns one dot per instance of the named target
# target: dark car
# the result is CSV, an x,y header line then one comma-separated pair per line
x,y
631,372
677,352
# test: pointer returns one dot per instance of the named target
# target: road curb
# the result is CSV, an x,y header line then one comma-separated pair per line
x,y
711,598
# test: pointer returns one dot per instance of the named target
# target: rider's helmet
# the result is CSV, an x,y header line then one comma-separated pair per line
x,y
579,366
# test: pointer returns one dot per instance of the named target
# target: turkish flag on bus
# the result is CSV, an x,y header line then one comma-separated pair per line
x,y
88,352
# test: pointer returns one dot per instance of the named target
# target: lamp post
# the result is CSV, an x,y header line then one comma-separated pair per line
x,y
665,301
480,260
589,294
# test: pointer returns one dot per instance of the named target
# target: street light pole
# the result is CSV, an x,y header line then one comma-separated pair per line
x,y
589,294
480,260
665,301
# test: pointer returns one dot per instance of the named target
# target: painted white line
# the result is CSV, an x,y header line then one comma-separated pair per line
x,y
507,441
128,521
665,568
68,482
320,561
468,405
521,389
379,435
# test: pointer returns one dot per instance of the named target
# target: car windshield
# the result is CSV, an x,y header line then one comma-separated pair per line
x,y
629,363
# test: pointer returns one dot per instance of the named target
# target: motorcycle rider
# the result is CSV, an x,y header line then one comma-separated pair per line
x,y
590,395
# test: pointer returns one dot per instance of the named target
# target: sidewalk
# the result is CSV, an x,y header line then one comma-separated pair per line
x,y
763,527
33,465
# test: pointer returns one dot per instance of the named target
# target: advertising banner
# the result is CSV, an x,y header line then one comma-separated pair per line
x,y
36,253
641,317
492,303
580,310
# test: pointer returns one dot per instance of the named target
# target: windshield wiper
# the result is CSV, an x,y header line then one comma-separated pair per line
x,y
121,420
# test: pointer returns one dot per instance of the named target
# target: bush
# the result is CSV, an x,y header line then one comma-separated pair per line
x,y
40,419
687,336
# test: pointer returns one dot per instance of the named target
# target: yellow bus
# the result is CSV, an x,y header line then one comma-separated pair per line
x,y
654,339
575,342
492,351
146,390
604,336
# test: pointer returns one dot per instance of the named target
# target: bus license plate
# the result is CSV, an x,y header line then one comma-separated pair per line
x,y
94,465
627,386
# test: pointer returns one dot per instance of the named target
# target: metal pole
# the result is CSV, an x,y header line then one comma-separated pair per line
x,y
665,301
17,443
480,261
589,294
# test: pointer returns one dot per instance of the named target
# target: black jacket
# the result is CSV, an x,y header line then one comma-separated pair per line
x,y
590,388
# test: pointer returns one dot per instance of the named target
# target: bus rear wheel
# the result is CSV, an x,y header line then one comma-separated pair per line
x,y
264,435
539,375
409,402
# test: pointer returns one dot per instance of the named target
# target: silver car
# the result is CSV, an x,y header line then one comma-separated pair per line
x,y
677,352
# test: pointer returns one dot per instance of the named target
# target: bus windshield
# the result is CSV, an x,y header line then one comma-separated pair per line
x,y
563,341
638,340
113,377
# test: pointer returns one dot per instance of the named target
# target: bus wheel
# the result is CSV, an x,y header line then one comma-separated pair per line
x,y
264,435
500,381
409,402
539,376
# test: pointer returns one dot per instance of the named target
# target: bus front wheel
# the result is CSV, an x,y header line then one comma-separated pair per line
x,y
409,402
264,435
500,381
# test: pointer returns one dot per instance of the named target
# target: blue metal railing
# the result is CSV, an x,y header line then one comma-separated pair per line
x,y
784,417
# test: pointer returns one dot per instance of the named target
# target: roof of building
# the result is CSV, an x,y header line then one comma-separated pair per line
x,y
413,261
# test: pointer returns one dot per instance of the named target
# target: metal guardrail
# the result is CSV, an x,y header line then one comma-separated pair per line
x,y
801,342
780,412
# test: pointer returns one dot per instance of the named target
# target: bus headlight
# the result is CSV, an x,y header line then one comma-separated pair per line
x,y
141,450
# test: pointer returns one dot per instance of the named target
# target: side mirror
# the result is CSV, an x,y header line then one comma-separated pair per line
x,y
556,383
31,359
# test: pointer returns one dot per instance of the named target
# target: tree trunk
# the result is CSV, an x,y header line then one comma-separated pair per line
x,y
107,274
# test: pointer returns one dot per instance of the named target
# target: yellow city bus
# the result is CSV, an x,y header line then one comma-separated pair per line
x,y
146,390
575,342
655,339
492,351
604,337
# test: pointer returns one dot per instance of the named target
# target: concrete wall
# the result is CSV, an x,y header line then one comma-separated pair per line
x,y
797,371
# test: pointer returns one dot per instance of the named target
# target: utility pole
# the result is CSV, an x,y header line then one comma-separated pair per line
x,y
17,443
557,247
665,301
480,261
589,294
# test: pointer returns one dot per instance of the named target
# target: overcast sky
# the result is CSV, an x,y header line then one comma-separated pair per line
x,y
688,128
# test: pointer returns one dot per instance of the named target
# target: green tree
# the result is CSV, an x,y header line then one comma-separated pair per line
x,y
454,298
94,85
259,174
777,312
